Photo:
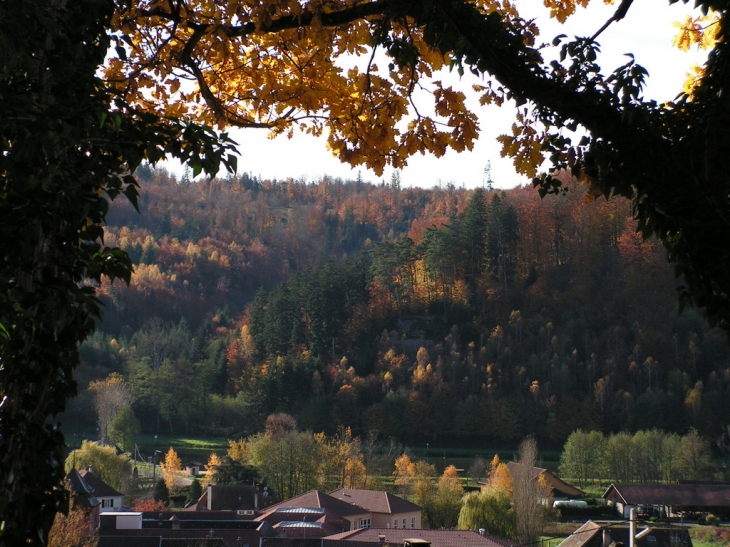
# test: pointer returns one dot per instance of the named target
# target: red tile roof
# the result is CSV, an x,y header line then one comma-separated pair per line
x,y
375,501
437,538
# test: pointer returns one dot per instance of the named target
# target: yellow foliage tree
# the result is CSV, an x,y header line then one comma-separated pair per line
x,y
237,450
499,476
171,470
213,462
341,459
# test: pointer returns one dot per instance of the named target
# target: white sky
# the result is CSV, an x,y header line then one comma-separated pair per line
x,y
647,32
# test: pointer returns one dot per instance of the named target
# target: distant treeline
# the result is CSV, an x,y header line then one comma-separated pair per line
x,y
645,456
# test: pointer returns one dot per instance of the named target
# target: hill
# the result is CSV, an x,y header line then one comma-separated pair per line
x,y
426,314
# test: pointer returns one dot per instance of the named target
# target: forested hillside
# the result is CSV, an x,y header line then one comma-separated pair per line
x,y
424,314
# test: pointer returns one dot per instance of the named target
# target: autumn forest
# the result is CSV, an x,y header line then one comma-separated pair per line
x,y
440,314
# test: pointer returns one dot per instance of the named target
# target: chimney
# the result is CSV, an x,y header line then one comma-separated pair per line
x,y
606,538
481,532
381,538
210,497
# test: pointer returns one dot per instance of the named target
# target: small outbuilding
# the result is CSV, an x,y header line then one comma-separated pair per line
x,y
193,468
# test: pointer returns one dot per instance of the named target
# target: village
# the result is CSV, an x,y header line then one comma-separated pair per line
x,y
246,515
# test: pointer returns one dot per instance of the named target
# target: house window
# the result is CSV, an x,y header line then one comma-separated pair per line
x,y
364,523
107,503
404,523
395,523
413,522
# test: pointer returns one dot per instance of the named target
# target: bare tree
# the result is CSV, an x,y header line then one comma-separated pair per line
x,y
110,396
529,493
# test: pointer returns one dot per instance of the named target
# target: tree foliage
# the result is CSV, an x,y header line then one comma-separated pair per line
x,y
161,494
67,149
171,471
111,396
646,456
113,469
123,428
72,530
530,494
490,509
232,60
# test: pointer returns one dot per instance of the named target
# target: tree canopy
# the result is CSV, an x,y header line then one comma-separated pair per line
x,y
279,64
70,140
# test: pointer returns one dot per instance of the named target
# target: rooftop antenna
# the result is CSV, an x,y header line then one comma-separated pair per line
x,y
487,178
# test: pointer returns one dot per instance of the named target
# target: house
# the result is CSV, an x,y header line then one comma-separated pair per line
x,y
340,511
559,489
593,534
398,537
669,499
243,499
193,468
110,499
384,509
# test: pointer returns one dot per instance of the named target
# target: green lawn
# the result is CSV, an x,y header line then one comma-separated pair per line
x,y
550,541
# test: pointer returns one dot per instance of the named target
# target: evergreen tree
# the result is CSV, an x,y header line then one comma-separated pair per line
x,y
475,233
502,239
161,492
195,490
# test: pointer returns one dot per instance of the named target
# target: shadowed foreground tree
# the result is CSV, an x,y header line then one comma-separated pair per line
x,y
68,145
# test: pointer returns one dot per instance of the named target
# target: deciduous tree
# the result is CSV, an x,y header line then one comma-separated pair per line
x,y
106,464
490,509
67,147
171,470
529,494
123,428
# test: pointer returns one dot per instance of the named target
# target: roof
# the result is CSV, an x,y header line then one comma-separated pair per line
x,y
437,538
591,535
375,501
682,495
583,535
316,499
82,490
559,487
100,488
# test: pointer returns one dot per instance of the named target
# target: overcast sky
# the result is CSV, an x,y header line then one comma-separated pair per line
x,y
647,32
